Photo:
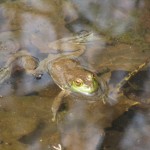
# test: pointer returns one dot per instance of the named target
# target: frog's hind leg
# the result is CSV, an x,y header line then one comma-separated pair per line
x,y
116,91
131,74
15,56
57,102
6,71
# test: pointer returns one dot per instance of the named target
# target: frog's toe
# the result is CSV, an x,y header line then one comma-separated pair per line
x,y
39,76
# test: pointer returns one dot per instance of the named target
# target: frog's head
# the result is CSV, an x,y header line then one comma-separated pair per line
x,y
86,84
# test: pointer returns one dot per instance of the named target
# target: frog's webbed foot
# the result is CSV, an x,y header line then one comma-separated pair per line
x,y
37,74
57,102
42,67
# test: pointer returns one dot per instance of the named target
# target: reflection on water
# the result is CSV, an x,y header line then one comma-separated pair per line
x,y
35,26
136,134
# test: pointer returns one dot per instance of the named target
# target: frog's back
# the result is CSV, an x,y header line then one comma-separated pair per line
x,y
61,64
61,68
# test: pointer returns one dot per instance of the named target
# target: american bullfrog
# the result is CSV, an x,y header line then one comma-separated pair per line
x,y
71,77
64,68
67,72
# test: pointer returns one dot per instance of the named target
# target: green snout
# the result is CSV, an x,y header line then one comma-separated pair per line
x,y
86,89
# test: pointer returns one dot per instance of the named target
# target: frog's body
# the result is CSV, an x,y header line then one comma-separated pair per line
x,y
68,72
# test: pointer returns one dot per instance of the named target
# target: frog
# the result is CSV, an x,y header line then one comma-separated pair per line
x,y
67,71
71,77
74,78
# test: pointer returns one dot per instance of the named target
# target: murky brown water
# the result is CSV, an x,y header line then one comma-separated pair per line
x,y
25,103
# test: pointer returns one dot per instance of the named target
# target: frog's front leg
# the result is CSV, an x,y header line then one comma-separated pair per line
x,y
57,102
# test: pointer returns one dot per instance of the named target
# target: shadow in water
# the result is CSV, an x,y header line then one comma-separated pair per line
x,y
32,137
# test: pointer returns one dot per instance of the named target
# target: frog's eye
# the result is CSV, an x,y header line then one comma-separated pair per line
x,y
78,82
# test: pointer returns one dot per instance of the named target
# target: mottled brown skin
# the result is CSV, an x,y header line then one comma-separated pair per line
x,y
64,71
29,63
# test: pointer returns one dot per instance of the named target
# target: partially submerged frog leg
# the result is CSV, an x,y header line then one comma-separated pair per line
x,y
42,67
116,92
67,44
57,102
6,71
15,56
85,37
131,74
77,53
45,64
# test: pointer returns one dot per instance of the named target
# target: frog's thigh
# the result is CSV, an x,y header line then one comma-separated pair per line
x,y
57,102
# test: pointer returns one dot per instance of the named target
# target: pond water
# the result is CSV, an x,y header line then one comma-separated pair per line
x,y
36,27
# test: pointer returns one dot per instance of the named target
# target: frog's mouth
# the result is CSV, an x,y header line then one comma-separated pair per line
x,y
86,89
